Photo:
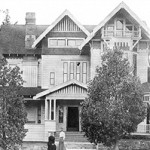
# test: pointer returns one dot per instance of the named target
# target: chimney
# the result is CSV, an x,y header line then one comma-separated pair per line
x,y
30,18
30,30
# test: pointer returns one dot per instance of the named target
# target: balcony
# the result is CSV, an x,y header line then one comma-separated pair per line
x,y
121,34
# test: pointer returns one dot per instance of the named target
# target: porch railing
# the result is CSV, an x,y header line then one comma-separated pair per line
x,y
143,128
121,33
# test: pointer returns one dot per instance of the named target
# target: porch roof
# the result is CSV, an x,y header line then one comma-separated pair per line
x,y
73,87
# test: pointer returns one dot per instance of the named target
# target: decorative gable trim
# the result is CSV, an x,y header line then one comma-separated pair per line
x,y
63,85
65,13
102,23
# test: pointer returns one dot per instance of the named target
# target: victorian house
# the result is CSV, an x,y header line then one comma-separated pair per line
x,y
58,60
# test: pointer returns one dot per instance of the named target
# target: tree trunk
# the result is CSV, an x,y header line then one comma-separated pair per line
x,y
116,146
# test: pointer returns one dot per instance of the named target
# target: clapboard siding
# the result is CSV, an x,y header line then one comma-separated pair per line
x,y
51,63
142,65
35,132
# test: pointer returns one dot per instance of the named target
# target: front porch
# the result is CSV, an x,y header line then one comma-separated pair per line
x,y
60,108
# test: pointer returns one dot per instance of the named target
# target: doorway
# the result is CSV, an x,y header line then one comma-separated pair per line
x,y
73,119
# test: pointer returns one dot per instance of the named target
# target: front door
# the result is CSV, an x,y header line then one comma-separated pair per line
x,y
73,119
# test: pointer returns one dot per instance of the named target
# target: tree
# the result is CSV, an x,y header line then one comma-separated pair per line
x,y
114,105
6,20
12,109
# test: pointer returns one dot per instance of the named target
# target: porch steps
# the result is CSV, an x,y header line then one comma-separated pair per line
x,y
76,141
73,137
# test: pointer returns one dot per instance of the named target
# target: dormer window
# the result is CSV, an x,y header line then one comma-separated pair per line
x,y
64,42
56,42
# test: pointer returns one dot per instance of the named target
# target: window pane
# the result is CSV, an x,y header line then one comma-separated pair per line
x,y
52,78
84,78
84,72
53,42
52,109
65,67
146,98
71,42
61,113
71,70
61,42
39,113
65,71
78,70
84,66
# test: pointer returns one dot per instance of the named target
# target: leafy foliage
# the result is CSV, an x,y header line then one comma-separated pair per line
x,y
12,109
114,106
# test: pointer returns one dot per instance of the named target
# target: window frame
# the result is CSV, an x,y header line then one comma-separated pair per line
x,y
66,42
52,78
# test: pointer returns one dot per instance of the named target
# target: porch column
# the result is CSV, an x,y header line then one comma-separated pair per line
x,y
46,109
54,109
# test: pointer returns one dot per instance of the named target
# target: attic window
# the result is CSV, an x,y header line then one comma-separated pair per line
x,y
64,42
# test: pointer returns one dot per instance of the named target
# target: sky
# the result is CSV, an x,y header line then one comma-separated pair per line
x,y
87,12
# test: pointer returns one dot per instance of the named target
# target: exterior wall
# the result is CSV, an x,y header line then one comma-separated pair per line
x,y
95,58
31,70
142,61
32,111
54,63
39,77
35,132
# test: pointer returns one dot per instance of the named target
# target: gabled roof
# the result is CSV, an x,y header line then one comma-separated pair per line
x,y
63,85
65,13
122,5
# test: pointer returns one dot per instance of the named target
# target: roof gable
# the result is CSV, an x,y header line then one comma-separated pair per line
x,y
61,86
55,24
122,5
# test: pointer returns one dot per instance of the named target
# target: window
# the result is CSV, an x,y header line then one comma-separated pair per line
x,y
119,27
84,72
52,110
61,114
71,70
78,70
39,113
75,70
12,66
56,42
74,42
61,42
52,78
64,42
146,98
65,74
134,64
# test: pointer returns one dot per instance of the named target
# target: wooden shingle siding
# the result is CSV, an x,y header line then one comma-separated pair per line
x,y
67,34
66,24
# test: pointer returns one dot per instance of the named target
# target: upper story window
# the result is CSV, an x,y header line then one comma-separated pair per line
x,y
52,78
64,42
75,70
146,98
56,42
